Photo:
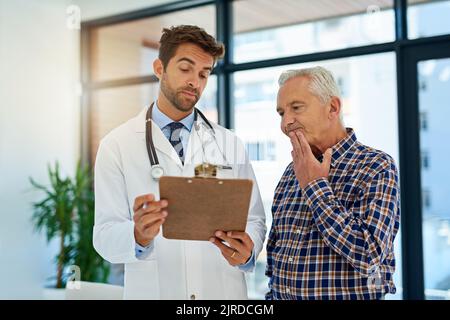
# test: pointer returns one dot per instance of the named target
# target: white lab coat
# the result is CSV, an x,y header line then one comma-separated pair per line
x,y
174,269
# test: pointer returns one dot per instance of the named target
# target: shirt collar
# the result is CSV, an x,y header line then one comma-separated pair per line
x,y
340,148
162,120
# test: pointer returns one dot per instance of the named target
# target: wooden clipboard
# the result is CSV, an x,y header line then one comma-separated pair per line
x,y
200,206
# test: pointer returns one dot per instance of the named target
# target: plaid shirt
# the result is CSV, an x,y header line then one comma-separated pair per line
x,y
334,239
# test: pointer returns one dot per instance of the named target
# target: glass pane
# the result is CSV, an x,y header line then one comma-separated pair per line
x,y
368,87
128,49
434,94
208,101
266,29
114,106
428,18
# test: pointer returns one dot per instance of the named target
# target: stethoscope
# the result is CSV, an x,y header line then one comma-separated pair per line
x,y
157,171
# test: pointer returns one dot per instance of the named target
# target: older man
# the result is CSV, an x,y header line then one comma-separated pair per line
x,y
336,208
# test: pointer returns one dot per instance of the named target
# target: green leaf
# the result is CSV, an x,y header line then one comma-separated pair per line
x,y
67,210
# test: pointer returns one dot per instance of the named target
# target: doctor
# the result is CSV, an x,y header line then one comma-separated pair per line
x,y
170,138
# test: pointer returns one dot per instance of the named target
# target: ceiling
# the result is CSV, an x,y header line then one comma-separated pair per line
x,y
249,15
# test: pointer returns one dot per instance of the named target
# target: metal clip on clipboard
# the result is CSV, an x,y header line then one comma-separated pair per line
x,y
206,170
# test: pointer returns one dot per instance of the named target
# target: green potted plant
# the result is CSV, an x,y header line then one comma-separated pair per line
x,y
93,267
67,213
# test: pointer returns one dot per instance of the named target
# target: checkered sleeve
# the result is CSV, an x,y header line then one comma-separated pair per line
x,y
270,247
362,233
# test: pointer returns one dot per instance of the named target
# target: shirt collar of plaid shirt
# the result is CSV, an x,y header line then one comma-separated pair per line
x,y
340,148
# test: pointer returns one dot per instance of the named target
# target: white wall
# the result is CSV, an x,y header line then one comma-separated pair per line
x,y
39,123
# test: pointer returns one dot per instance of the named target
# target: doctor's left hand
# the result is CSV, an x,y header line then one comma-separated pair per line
x,y
240,246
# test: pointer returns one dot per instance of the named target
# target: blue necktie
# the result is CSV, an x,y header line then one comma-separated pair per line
x,y
175,138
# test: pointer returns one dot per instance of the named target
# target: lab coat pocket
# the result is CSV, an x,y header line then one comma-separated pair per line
x,y
141,280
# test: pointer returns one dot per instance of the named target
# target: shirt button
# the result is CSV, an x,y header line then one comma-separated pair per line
x,y
192,296
290,259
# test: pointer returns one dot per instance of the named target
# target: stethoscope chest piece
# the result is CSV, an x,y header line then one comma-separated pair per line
x,y
157,171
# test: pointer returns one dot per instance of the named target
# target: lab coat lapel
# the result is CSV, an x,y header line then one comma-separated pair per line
x,y
159,139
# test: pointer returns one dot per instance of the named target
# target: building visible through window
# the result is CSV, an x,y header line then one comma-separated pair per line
x,y
425,160
423,120
261,150
426,199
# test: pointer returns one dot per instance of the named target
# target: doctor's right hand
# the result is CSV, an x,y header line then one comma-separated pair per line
x,y
148,217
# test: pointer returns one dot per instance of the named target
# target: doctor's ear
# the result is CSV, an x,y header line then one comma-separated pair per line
x,y
158,68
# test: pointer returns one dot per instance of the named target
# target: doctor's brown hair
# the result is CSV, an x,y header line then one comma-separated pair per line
x,y
173,37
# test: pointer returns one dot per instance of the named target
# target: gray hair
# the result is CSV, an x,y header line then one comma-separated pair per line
x,y
321,84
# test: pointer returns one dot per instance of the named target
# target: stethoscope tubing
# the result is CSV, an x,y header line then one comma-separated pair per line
x,y
153,157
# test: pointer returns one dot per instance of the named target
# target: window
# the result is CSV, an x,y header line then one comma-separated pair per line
x,y
266,29
423,121
426,200
127,50
258,151
425,160
428,18
253,92
114,106
435,187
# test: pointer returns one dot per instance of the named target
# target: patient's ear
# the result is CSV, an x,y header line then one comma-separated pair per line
x,y
335,108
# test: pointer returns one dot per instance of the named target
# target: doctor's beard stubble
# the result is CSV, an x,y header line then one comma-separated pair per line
x,y
174,95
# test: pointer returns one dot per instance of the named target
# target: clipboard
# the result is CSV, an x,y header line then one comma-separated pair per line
x,y
200,206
